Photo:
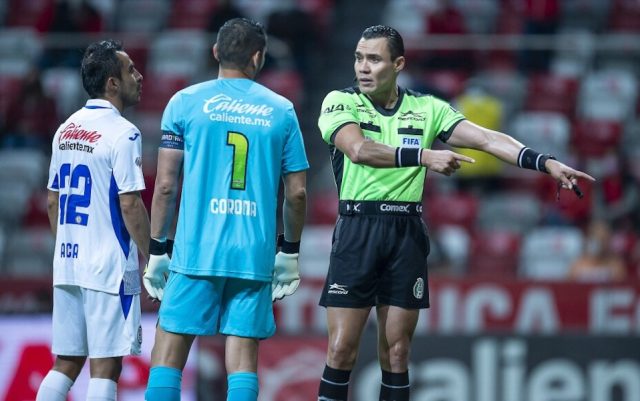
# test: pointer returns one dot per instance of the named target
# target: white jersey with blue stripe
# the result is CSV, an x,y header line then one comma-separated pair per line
x,y
239,138
96,155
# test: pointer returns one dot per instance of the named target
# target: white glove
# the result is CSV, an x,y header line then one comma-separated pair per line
x,y
286,275
155,275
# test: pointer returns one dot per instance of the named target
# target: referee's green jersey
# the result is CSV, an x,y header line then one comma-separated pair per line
x,y
415,121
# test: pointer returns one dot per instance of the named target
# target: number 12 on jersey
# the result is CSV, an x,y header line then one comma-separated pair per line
x,y
240,145
69,203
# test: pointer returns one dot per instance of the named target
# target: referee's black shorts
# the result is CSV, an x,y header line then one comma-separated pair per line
x,y
378,259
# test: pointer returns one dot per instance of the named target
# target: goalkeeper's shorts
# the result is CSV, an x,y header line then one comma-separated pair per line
x,y
378,259
207,305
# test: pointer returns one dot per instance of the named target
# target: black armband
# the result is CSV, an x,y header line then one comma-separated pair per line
x,y
286,246
408,157
157,248
529,158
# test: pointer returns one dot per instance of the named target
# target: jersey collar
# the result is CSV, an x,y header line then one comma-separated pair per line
x,y
382,110
100,104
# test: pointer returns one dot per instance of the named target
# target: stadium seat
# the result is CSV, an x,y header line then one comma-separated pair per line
x,y
608,94
9,88
27,166
455,242
575,49
495,253
517,212
548,252
587,14
552,93
618,50
25,13
19,51
287,83
460,209
508,86
625,16
595,138
191,14
30,252
64,85
546,132
451,83
13,201
156,96
179,52
142,15
480,15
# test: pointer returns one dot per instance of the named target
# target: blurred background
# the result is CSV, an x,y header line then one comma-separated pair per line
x,y
534,297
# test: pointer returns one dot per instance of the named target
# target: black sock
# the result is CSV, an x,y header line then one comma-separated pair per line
x,y
394,386
334,385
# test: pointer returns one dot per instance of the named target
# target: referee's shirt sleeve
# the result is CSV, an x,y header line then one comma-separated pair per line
x,y
446,118
338,109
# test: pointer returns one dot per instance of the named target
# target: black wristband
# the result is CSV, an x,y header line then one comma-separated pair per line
x,y
157,248
529,158
286,246
170,247
408,157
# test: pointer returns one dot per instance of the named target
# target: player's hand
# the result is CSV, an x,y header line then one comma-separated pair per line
x,y
286,275
566,176
443,161
155,275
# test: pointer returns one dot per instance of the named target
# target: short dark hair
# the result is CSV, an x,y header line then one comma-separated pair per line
x,y
238,40
394,39
99,63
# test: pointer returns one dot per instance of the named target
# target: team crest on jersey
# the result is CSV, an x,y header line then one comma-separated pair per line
x,y
138,161
418,288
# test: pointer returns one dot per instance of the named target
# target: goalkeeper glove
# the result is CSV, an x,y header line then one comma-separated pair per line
x,y
286,273
157,269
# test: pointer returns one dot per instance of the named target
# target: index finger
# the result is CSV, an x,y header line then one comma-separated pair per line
x,y
582,175
463,158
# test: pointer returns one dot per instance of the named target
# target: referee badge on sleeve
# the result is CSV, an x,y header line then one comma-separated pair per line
x,y
418,288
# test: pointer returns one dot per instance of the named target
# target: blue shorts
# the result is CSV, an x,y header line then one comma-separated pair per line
x,y
207,305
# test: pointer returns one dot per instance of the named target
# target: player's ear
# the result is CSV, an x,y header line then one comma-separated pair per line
x,y
112,85
398,64
258,59
215,52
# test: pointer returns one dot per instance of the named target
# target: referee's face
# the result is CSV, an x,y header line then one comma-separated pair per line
x,y
375,71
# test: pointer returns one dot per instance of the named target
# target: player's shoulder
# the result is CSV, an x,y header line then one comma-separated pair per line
x,y
415,93
269,96
123,127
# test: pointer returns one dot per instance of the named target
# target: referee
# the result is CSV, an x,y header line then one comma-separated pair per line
x,y
380,138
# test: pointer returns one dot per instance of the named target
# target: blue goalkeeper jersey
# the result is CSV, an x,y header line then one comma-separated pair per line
x,y
240,138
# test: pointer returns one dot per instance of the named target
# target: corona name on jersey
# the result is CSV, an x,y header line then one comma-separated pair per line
x,y
233,206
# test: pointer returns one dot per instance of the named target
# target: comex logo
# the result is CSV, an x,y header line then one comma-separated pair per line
x,y
394,208
338,289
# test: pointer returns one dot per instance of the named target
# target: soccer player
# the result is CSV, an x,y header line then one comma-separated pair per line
x,y
100,222
380,137
232,140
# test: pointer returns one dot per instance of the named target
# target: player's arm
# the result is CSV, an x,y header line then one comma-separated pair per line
x,y
286,272
136,220
295,205
165,194
362,150
52,210
470,135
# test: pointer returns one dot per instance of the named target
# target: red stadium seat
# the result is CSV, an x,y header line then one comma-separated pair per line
x,y
453,209
625,16
287,83
158,90
27,13
495,253
9,89
594,138
191,14
548,92
452,83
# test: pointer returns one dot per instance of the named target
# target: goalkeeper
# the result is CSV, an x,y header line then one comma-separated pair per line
x,y
231,139
380,137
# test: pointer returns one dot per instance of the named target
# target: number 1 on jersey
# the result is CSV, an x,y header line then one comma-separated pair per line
x,y
240,145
